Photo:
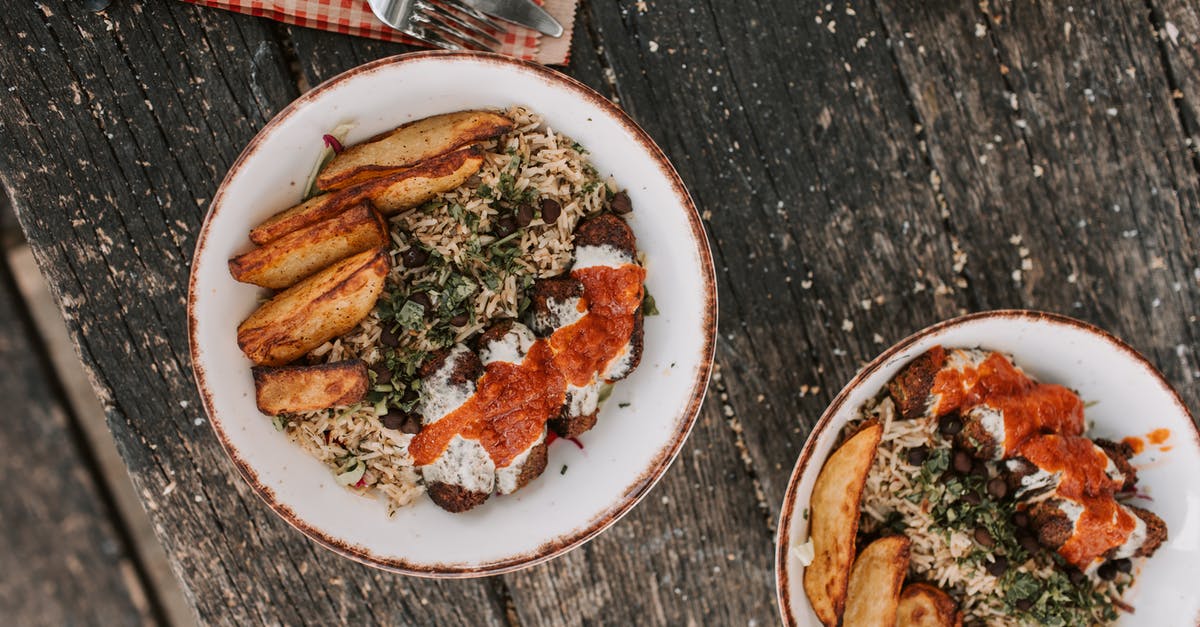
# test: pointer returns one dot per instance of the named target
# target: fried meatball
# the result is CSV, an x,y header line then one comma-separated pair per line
x,y
910,389
606,230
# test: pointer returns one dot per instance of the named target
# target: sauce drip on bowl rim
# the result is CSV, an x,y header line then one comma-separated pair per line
x,y
513,401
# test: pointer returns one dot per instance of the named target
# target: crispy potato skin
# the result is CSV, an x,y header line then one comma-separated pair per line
x,y
410,144
317,309
874,591
390,194
290,389
833,521
924,605
408,188
311,211
297,255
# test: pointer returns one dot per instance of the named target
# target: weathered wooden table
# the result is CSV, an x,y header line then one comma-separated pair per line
x,y
864,169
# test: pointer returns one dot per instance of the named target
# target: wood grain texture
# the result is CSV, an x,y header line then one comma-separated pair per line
x,y
63,559
1176,26
1064,165
147,138
864,170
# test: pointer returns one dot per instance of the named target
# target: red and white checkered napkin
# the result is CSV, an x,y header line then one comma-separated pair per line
x,y
354,17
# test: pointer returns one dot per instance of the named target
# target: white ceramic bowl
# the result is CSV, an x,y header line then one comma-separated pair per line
x,y
1130,398
623,456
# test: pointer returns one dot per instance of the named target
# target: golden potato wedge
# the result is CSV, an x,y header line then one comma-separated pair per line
x,y
311,211
319,308
925,605
875,581
291,389
406,189
833,521
410,144
297,255
389,194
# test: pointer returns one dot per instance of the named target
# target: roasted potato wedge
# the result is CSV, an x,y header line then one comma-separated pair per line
x,y
292,389
406,189
309,212
297,255
389,194
409,145
875,581
924,605
833,521
319,308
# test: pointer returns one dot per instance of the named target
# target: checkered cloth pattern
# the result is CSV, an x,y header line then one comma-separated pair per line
x,y
354,17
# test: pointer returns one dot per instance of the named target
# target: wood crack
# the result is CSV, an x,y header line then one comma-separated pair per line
x,y
584,18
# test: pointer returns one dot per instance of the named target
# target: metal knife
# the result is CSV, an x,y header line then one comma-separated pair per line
x,y
521,12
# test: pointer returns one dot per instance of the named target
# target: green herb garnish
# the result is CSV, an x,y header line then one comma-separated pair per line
x,y
649,307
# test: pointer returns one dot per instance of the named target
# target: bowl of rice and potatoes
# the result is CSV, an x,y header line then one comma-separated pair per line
x,y
1002,468
452,314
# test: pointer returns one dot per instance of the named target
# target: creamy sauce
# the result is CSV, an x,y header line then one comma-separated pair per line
x,y
464,463
439,396
511,348
506,477
603,255
582,401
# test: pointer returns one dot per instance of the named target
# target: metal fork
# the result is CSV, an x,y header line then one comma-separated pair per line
x,y
448,24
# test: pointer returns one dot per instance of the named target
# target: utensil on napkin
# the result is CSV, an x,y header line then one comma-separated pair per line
x,y
354,17
522,12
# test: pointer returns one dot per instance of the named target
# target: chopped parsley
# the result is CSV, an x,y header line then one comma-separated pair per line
x,y
958,502
411,316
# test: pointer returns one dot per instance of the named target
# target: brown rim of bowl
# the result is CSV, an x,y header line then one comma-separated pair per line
x,y
634,492
886,357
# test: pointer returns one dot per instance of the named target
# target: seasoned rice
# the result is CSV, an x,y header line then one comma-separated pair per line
x,y
363,454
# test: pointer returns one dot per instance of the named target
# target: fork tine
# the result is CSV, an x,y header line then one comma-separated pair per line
x,y
421,34
436,11
474,14
446,31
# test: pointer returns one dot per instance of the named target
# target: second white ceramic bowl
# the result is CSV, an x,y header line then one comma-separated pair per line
x,y
1127,396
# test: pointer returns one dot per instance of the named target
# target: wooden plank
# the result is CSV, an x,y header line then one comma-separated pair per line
x,y
1064,165
1177,29
63,558
121,150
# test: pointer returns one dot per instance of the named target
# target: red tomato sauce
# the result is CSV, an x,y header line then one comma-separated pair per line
x,y
1102,526
996,376
1045,408
512,402
1135,443
1158,436
1082,465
